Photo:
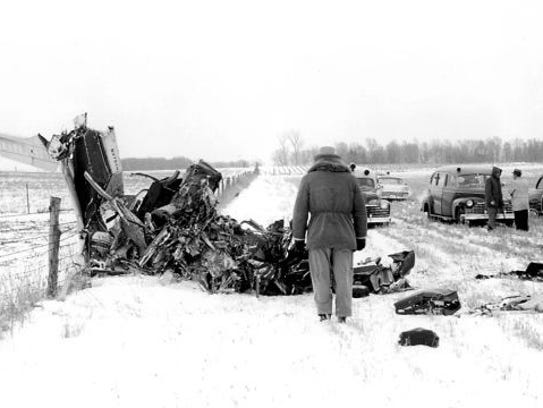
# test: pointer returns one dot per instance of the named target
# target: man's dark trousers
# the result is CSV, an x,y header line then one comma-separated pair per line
x,y
521,220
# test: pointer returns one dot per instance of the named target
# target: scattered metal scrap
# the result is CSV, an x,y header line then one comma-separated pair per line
x,y
174,226
373,277
534,272
518,303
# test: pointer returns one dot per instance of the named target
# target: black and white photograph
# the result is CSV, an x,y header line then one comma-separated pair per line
x,y
298,203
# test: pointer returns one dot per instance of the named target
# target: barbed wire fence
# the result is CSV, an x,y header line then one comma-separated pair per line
x,y
36,252
36,257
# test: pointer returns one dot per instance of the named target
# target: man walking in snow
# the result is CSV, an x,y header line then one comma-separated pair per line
x,y
493,196
520,200
337,227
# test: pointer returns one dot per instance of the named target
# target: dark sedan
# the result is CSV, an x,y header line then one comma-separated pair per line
x,y
536,197
377,209
457,193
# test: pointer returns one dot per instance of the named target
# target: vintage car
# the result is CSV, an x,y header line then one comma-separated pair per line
x,y
377,209
457,193
536,197
394,188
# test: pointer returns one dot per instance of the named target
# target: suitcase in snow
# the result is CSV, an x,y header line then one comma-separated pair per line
x,y
429,301
418,337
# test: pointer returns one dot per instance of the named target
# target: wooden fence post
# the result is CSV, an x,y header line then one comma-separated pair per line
x,y
27,200
54,246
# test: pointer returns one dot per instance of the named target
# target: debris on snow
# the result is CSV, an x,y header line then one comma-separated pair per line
x,y
371,276
519,303
419,336
429,301
533,272
174,227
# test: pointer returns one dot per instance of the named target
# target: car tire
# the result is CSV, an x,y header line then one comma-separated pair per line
x,y
457,213
428,212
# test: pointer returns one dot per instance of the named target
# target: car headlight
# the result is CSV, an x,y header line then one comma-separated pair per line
x,y
384,204
469,203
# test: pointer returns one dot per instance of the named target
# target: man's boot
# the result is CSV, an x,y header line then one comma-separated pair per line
x,y
341,319
324,317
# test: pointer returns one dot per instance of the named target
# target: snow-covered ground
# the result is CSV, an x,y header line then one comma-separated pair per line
x,y
131,342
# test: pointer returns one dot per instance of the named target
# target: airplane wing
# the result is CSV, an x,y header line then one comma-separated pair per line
x,y
27,150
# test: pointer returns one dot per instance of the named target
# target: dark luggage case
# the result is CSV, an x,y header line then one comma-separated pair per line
x,y
419,336
429,301
360,291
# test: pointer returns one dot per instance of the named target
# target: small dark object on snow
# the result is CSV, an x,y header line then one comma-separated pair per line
x,y
429,301
534,272
360,291
419,337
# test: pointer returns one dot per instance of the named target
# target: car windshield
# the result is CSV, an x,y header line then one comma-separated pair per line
x,y
390,180
472,180
365,182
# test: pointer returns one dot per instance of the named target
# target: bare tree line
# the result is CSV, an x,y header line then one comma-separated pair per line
x,y
291,151
181,162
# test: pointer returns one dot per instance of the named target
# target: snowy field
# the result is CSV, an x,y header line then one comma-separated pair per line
x,y
42,185
134,342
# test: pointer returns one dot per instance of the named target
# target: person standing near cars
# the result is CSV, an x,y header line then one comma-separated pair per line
x,y
519,199
337,227
493,196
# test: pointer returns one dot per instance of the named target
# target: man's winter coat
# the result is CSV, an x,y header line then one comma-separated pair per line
x,y
519,194
329,193
493,190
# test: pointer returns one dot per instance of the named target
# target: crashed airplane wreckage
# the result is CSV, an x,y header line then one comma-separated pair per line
x,y
174,226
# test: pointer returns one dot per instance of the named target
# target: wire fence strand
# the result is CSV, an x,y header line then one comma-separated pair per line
x,y
13,215
36,247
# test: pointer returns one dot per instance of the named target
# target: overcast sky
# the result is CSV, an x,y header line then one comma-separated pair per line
x,y
222,79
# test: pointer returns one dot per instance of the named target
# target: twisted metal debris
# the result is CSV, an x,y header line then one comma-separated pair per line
x,y
174,226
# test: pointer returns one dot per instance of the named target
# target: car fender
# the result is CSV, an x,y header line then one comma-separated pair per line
x,y
459,202
427,200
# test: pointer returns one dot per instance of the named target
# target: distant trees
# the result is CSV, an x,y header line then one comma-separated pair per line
x,y
155,163
161,163
296,143
281,154
437,151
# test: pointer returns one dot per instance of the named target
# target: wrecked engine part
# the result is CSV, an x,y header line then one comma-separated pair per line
x,y
419,337
429,301
159,193
373,277
87,150
533,272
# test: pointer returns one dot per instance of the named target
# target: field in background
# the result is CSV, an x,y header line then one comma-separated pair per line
x,y
42,185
